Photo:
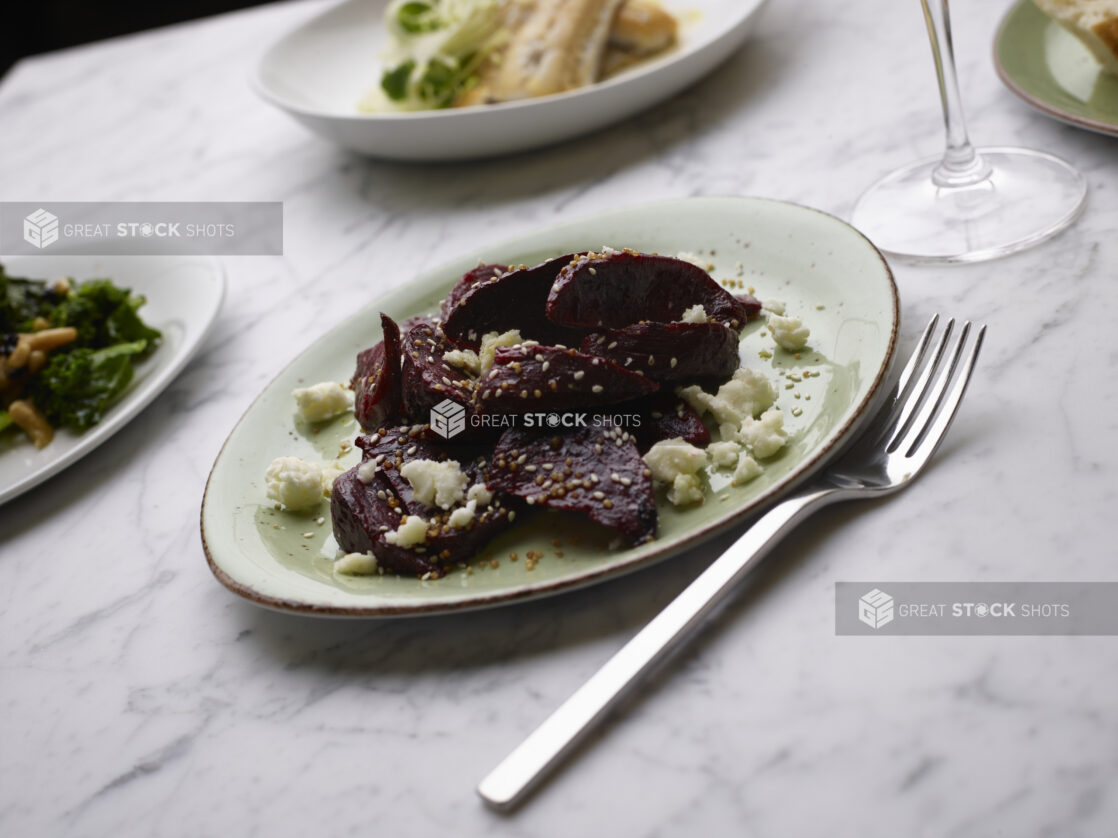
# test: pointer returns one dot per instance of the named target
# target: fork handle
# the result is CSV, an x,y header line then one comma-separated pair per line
x,y
522,769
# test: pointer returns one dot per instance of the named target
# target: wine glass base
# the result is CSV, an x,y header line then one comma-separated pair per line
x,y
1028,197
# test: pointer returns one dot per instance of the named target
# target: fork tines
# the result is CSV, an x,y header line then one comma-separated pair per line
x,y
931,387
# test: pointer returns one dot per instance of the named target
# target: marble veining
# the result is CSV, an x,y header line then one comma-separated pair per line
x,y
139,698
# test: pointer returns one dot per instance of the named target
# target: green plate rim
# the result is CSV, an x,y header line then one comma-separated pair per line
x,y
1071,111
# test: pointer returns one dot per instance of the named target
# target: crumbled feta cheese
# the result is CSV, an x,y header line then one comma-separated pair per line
x,y
323,401
789,332
356,564
490,342
685,490
764,436
295,483
412,531
330,473
464,359
724,454
695,314
479,493
367,470
748,469
460,518
670,458
774,306
745,395
440,484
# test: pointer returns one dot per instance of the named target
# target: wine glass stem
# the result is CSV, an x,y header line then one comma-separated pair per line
x,y
961,164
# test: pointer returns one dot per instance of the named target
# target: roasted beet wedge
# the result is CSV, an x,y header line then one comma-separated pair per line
x,y
427,378
469,279
365,513
669,351
378,395
362,513
593,470
616,289
666,416
514,300
751,303
527,379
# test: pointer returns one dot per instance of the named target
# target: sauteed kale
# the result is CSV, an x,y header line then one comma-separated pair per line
x,y
67,351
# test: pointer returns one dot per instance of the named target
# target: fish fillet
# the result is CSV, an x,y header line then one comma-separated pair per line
x,y
554,45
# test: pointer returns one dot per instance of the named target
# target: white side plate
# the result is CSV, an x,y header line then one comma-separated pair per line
x,y
184,294
319,72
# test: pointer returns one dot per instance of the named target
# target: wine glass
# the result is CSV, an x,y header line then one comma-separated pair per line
x,y
970,204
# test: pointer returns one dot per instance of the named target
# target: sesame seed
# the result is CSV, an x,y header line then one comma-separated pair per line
x,y
597,388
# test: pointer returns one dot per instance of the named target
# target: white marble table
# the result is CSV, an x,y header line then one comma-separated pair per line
x,y
138,697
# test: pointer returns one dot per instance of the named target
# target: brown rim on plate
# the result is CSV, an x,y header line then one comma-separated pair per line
x,y
1047,108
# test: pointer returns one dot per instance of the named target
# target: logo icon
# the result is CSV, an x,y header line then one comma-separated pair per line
x,y
40,228
875,609
448,418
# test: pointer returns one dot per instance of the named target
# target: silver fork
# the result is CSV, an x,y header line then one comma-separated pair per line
x,y
898,444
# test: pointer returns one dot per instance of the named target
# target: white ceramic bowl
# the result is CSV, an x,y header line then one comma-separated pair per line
x,y
319,72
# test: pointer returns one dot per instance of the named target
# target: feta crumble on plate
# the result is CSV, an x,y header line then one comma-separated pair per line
x,y
295,483
435,483
323,401
789,332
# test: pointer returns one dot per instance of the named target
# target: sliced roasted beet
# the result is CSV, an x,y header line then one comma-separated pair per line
x,y
515,300
428,379
751,303
378,395
397,446
619,288
669,351
527,379
469,279
594,470
666,416
364,513
361,515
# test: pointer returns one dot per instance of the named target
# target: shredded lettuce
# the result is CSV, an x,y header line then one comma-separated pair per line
x,y
437,47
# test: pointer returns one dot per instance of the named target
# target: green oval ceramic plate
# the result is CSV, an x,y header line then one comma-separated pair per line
x,y
1051,70
823,269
